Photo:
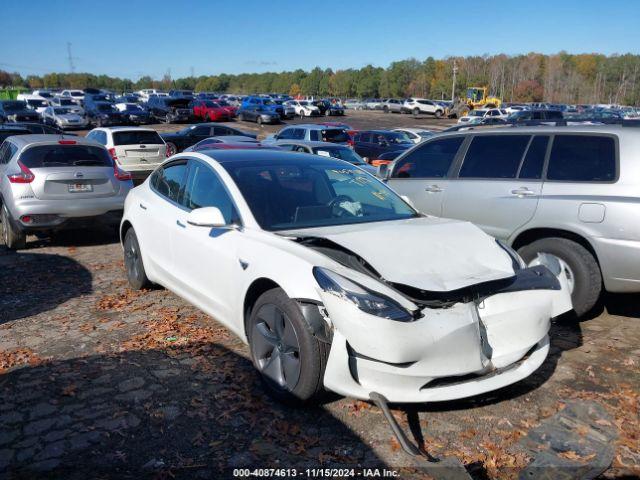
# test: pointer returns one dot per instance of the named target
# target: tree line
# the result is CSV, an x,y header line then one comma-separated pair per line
x,y
534,77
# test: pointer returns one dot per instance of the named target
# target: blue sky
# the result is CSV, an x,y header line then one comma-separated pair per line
x,y
140,37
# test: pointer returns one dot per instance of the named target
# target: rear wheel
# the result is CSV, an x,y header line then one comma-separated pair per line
x,y
291,361
580,267
12,238
416,112
438,113
301,113
133,262
385,109
259,121
241,116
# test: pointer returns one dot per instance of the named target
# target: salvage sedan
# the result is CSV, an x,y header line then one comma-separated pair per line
x,y
335,282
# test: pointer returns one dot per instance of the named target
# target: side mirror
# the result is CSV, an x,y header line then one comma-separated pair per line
x,y
383,170
206,217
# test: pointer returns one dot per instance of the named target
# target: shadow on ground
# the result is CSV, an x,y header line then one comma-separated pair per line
x,y
38,282
197,412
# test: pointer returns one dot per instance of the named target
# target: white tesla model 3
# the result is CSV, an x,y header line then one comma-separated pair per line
x,y
335,282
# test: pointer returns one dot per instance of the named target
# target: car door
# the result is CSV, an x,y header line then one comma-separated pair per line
x,y
206,262
498,183
157,213
422,174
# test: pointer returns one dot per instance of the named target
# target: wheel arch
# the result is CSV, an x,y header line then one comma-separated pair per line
x,y
528,236
124,228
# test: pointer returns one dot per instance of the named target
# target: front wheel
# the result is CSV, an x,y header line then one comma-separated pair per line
x,y
259,121
290,360
416,112
385,109
12,238
438,113
302,114
579,265
171,149
136,274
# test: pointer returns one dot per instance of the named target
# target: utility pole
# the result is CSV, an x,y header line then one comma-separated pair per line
x,y
453,87
70,57
191,71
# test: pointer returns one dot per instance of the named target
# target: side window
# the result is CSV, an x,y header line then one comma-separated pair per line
x,y
494,156
170,180
286,134
201,131
582,158
298,133
315,135
534,159
5,153
221,131
432,160
365,137
204,189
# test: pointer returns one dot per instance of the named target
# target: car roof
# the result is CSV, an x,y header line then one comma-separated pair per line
x,y
549,129
22,141
315,126
411,129
311,144
127,129
258,156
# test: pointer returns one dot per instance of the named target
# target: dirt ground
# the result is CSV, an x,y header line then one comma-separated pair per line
x,y
98,381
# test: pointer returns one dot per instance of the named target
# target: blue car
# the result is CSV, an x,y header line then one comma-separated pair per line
x,y
265,104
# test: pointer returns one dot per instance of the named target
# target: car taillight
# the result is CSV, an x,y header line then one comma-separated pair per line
x,y
67,142
112,152
120,174
25,175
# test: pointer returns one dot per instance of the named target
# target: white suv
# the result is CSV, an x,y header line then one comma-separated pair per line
x,y
135,150
422,105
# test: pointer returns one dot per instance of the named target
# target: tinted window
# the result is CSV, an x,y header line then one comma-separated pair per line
x,y
136,137
221,131
534,159
66,156
286,134
314,135
204,189
582,158
494,156
5,153
201,130
170,180
335,135
365,137
430,160
551,115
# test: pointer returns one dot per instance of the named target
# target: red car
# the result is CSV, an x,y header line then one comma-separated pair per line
x,y
210,111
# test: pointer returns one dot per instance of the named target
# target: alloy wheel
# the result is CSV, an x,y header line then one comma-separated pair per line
x,y
131,259
275,347
546,258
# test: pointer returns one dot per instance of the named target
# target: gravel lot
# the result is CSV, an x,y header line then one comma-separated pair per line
x,y
98,381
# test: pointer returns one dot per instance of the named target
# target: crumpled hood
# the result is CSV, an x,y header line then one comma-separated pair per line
x,y
428,253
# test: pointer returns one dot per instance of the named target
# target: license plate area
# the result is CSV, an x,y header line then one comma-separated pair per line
x,y
80,187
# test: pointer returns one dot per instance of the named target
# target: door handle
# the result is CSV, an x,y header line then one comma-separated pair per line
x,y
433,189
142,206
180,224
523,192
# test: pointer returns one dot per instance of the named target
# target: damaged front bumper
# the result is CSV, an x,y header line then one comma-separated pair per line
x,y
449,353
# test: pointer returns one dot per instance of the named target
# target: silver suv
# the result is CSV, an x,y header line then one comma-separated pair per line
x,y
567,192
51,182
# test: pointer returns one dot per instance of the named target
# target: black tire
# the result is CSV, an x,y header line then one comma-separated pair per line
x,y
385,109
301,113
311,355
584,267
438,113
136,274
13,239
241,117
416,112
259,121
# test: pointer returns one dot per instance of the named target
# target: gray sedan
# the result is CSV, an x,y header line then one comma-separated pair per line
x,y
63,117
326,149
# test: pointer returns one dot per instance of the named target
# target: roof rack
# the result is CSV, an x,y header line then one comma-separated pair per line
x,y
571,122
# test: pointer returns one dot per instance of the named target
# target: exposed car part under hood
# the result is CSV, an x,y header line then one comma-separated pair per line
x,y
426,253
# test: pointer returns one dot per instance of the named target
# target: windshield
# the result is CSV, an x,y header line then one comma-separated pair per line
x,y
286,195
61,111
45,94
65,155
14,106
77,94
132,108
63,101
105,108
477,113
425,134
343,153
397,137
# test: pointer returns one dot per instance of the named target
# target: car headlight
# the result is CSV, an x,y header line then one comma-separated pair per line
x,y
518,262
367,301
